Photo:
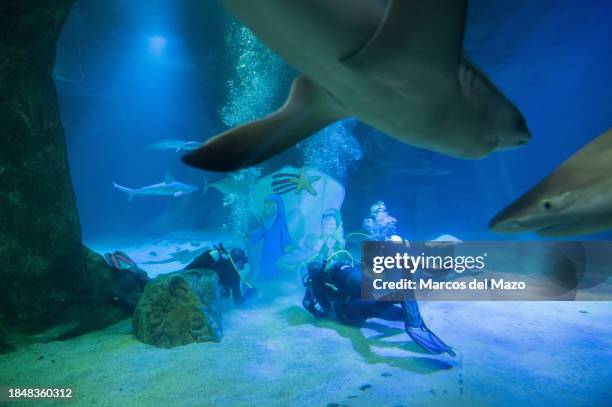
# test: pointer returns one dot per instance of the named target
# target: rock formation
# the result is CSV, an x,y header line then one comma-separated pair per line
x,y
47,276
179,308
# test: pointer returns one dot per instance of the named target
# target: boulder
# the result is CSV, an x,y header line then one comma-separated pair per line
x,y
49,279
179,308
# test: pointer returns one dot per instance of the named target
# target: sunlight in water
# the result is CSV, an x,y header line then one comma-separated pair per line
x,y
157,44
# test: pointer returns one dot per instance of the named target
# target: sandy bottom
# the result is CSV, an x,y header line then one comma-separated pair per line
x,y
275,353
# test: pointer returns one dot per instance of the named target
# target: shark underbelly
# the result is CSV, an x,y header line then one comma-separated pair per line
x,y
415,111
410,109
154,191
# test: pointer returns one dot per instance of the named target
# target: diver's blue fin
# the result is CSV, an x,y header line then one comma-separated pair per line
x,y
417,330
428,341
413,317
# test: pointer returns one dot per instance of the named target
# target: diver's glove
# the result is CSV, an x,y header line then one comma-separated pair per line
x,y
222,252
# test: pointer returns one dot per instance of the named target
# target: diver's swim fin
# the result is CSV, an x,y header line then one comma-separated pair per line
x,y
428,341
112,261
122,256
417,330
307,109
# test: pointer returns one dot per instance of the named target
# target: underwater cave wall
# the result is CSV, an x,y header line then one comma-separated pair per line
x,y
43,266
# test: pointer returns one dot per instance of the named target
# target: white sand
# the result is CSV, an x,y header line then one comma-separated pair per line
x,y
274,353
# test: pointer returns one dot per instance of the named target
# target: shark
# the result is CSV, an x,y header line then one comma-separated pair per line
x,y
176,145
396,65
574,199
168,187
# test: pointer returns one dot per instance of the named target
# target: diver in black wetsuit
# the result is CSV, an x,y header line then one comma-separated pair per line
x,y
227,266
336,293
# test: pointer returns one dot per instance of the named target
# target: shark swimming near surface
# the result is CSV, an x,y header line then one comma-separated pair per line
x,y
176,145
396,65
575,199
169,187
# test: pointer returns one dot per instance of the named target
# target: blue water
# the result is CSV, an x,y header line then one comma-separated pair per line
x,y
132,73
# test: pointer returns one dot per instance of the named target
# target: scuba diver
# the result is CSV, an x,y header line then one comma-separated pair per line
x,y
226,264
336,293
127,281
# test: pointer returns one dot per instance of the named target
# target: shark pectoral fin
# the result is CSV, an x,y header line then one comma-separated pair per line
x,y
416,33
178,193
307,109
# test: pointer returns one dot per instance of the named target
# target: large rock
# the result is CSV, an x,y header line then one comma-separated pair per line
x,y
49,278
107,296
179,308
39,227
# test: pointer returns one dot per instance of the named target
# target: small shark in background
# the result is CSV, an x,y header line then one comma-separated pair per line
x,y
169,187
176,145
575,199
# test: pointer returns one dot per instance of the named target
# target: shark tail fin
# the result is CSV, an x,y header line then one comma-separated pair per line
x,y
307,109
130,192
